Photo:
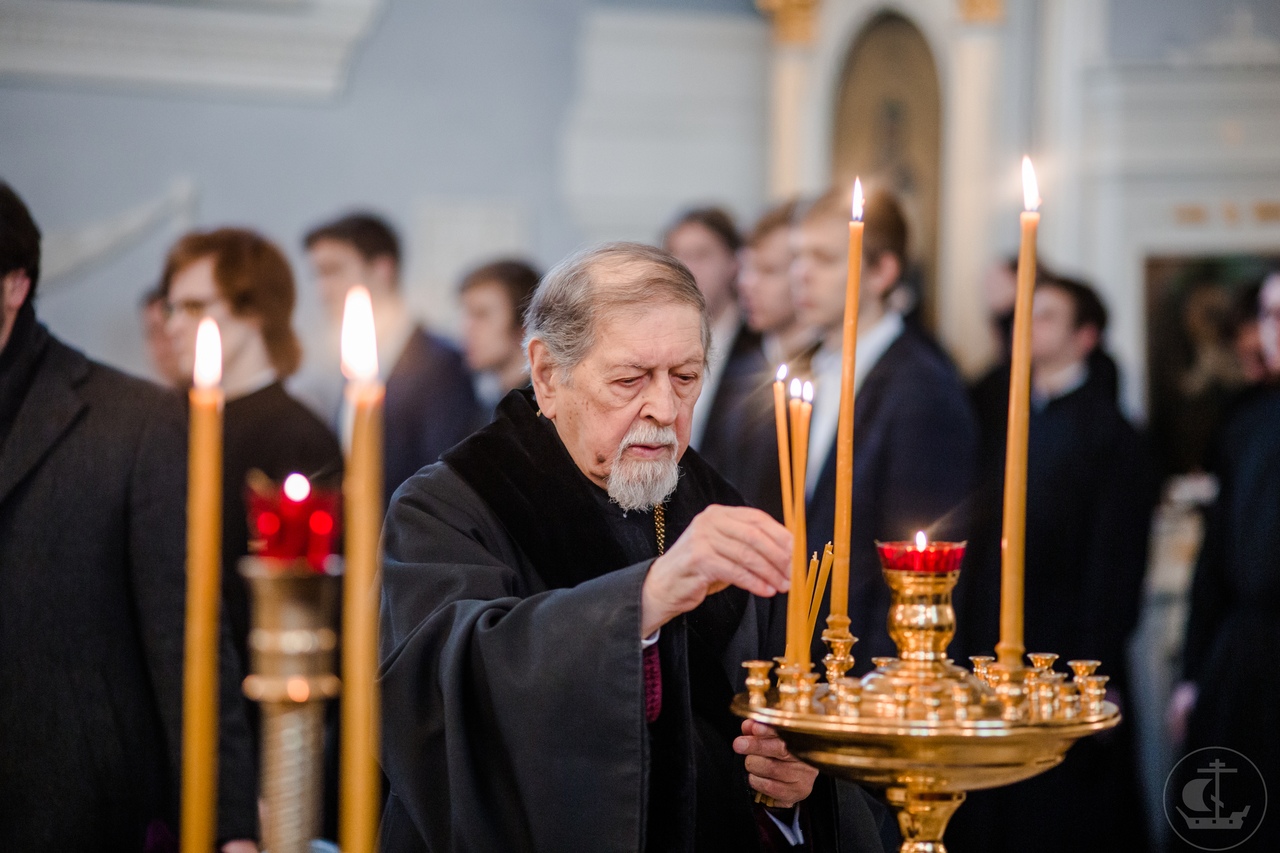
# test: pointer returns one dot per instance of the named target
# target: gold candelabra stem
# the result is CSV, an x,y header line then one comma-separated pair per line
x,y
291,644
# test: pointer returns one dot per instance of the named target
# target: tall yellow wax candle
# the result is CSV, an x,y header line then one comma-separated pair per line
x,y
1010,649
843,529
204,568
801,415
784,446
795,598
359,792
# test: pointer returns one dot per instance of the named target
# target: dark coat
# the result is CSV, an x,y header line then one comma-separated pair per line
x,y
1235,600
914,468
430,406
1091,488
92,602
513,692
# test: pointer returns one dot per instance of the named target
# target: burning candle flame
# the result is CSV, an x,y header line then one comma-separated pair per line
x,y
208,366
359,342
782,373
795,388
921,539
296,488
857,199
807,392
1030,189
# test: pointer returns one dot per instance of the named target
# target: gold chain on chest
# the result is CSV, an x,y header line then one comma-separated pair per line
x,y
660,527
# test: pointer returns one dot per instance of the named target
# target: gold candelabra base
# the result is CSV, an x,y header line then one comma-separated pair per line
x,y
920,728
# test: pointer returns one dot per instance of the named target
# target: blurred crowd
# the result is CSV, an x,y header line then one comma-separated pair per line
x,y
929,455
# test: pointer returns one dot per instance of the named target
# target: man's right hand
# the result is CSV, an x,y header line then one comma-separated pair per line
x,y
723,546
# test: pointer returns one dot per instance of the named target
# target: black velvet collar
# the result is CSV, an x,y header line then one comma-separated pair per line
x,y
521,469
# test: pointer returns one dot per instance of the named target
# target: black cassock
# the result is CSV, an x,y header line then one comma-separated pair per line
x,y
1235,602
1091,488
513,690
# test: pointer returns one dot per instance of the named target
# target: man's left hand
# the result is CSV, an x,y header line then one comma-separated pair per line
x,y
770,768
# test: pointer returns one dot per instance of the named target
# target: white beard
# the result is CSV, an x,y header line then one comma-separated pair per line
x,y
636,484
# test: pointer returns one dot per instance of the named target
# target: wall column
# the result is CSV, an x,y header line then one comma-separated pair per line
x,y
791,62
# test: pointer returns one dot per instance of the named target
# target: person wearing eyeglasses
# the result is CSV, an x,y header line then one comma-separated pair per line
x,y
243,282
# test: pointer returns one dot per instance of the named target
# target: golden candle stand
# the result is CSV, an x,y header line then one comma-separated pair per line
x,y
919,727
292,646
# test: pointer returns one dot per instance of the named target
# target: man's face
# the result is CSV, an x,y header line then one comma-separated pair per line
x,y
641,378
193,294
1269,322
14,288
713,265
1055,339
764,285
820,272
164,360
338,267
490,333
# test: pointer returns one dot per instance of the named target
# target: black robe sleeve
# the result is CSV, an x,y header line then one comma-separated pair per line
x,y
510,711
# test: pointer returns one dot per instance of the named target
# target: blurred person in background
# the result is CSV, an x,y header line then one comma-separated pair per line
x,y
1091,489
915,438
243,281
165,366
430,404
93,595
493,299
1226,698
764,294
706,240
764,287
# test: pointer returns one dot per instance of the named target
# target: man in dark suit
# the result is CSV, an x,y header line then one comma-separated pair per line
x,y
707,242
92,590
1091,488
430,404
914,435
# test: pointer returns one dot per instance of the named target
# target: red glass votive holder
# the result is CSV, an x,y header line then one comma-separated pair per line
x,y
289,529
934,557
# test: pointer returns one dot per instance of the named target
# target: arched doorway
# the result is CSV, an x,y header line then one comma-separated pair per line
x,y
888,129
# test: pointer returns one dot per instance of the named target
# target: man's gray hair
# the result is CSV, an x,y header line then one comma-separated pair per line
x,y
573,298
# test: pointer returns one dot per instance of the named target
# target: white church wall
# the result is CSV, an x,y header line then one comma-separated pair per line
x,y
670,109
447,117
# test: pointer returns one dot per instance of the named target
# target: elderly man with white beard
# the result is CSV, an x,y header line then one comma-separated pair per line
x,y
569,596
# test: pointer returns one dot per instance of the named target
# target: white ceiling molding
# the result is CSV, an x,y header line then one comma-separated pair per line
x,y
266,47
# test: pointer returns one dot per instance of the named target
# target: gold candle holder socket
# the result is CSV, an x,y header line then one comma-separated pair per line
x,y
1093,691
1042,661
1083,668
848,696
758,681
980,665
840,642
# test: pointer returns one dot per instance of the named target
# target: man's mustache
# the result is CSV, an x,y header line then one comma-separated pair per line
x,y
653,436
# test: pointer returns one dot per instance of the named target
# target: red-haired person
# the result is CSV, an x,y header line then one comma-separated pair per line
x,y
243,281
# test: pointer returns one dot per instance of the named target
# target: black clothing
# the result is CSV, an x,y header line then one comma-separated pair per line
x,y
92,607
272,432
1091,488
430,406
914,458
513,691
1235,601
18,362
740,440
